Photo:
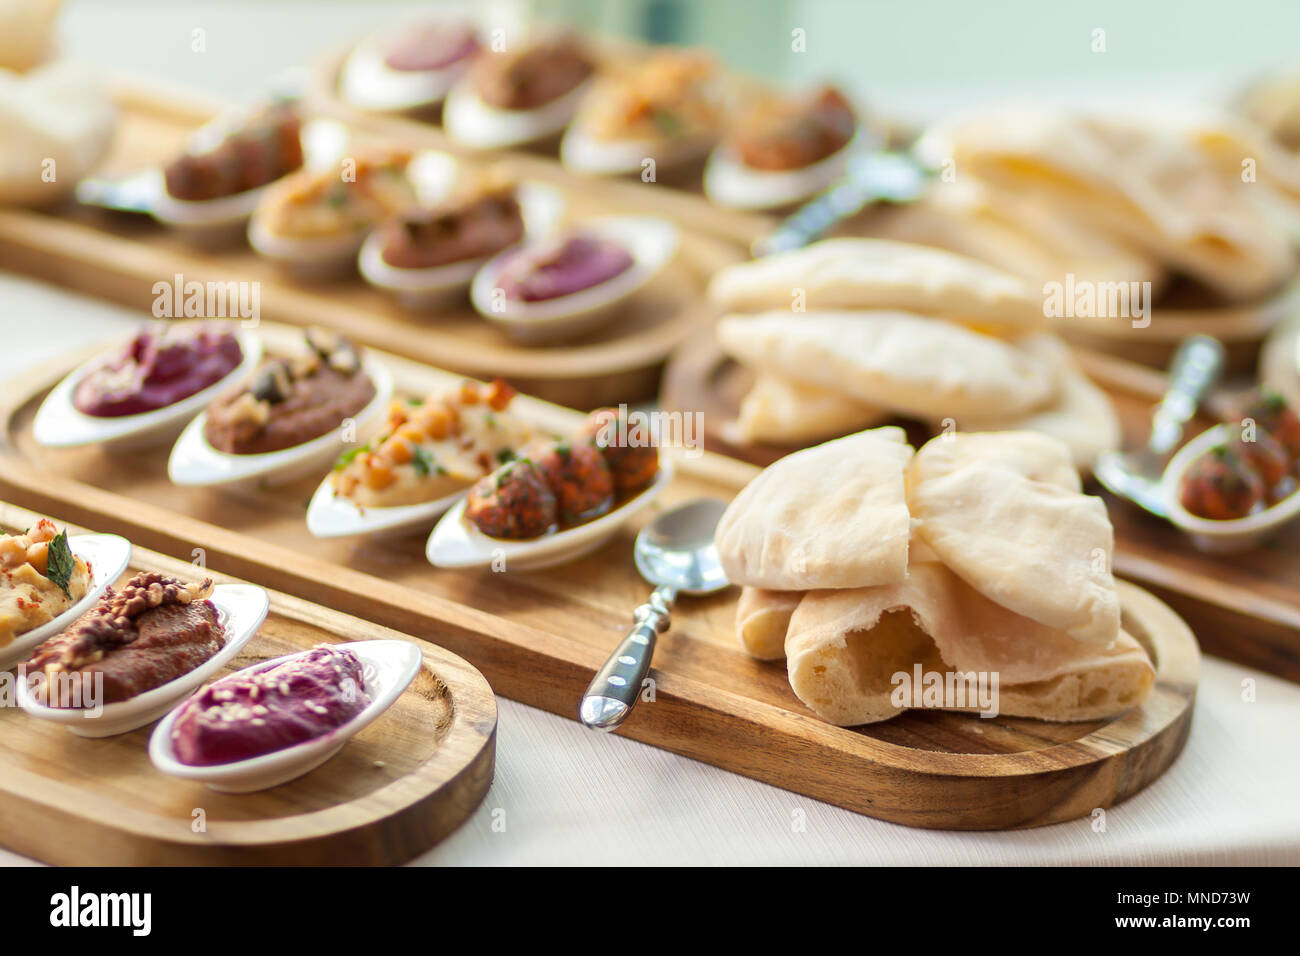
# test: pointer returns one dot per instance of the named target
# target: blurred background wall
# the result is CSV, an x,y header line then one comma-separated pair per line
x,y
915,57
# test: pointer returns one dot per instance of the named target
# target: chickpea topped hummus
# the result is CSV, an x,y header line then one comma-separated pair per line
x,y
40,578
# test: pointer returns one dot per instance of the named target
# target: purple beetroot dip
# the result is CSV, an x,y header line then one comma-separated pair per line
x,y
562,268
161,366
432,46
254,713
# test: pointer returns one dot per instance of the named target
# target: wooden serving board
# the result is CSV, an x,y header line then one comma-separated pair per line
x,y
1245,607
540,636
120,257
393,791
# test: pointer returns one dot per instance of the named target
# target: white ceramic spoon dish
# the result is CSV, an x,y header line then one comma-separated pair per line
x,y
337,516
107,556
583,153
58,423
1221,536
389,667
473,123
195,462
421,289
456,543
730,183
651,242
367,81
241,609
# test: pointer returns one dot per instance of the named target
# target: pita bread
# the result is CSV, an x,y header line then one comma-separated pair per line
x,y
1083,416
779,411
881,274
1004,512
843,647
924,367
831,516
1134,178
762,619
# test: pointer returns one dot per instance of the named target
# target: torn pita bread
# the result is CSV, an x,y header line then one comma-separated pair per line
x,y
1004,512
762,619
1083,416
923,367
1133,177
779,411
881,274
844,647
831,516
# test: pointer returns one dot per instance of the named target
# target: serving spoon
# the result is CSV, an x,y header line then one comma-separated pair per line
x,y
676,554
1137,475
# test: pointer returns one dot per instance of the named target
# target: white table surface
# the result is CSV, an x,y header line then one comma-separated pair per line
x,y
570,797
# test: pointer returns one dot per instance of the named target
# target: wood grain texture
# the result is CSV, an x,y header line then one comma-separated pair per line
x,y
120,257
395,789
539,636
1245,608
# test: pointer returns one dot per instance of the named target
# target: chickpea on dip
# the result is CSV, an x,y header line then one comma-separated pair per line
x,y
329,203
256,712
40,578
162,365
433,447
289,401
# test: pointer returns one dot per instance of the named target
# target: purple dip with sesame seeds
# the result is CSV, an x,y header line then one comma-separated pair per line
x,y
260,711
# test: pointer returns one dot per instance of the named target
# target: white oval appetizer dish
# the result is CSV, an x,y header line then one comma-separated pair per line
x,y
456,543
1221,536
366,80
651,243
729,182
583,153
241,609
388,666
195,462
331,515
420,289
59,424
475,124
106,557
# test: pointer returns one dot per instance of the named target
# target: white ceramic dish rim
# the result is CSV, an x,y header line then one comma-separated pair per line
x,y
585,154
1251,525
482,550
108,556
233,468
729,182
337,516
163,754
89,429
472,122
224,597
392,89
542,207
651,241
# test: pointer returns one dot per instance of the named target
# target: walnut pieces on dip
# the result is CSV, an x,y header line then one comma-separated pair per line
x,y
480,218
267,146
155,629
40,578
289,401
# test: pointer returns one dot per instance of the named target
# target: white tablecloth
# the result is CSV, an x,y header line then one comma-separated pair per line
x,y
569,796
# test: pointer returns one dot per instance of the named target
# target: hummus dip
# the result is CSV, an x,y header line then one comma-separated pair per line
x,y
34,588
258,712
291,401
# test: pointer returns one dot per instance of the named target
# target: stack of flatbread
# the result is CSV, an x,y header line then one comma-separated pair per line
x,y
1141,196
847,332
977,555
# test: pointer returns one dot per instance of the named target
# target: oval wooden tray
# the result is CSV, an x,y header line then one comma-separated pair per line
x,y
121,258
539,637
395,789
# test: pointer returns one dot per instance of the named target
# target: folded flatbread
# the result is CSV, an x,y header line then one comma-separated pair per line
x,y
780,411
914,365
881,274
1004,512
762,619
831,516
1136,178
844,647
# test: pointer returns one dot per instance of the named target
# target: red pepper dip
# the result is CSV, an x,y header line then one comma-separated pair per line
x,y
159,367
258,712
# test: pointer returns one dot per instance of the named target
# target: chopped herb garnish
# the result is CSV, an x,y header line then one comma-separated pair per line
x,y
422,462
347,457
59,562
505,455
668,123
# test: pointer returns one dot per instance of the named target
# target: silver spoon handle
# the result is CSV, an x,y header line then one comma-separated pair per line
x,y
1194,370
614,690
